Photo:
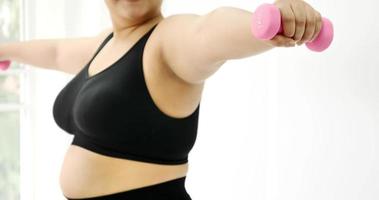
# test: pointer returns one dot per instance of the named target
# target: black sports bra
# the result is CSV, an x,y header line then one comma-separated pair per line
x,y
112,113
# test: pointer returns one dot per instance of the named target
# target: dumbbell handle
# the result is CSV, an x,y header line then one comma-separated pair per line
x,y
4,65
266,24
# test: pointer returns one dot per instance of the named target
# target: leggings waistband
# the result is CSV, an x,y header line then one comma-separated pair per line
x,y
168,190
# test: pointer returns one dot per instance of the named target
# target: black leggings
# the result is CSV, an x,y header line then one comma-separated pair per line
x,y
169,190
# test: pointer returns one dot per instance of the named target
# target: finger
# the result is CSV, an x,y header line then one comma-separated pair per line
x,y
309,25
282,41
318,25
288,21
300,20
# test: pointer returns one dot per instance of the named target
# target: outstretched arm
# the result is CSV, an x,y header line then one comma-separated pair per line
x,y
194,46
68,55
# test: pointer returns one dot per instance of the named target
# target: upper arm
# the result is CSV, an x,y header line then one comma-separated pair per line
x,y
74,53
195,46
181,49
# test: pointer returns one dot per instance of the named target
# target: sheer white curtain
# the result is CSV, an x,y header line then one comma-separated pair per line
x,y
13,107
287,124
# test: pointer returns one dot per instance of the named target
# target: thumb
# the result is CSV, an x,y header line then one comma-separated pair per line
x,y
281,41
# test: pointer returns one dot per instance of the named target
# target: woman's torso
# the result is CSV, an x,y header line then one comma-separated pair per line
x,y
88,174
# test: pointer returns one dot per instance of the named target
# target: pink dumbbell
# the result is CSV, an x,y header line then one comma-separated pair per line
x,y
266,24
4,65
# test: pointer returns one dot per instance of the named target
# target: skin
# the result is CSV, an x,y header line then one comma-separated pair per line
x,y
184,70
83,167
176,66
127,16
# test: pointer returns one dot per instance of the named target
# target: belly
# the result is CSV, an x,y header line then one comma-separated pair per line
x,y
87,174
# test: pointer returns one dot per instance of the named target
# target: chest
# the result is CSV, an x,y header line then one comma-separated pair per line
x,y
168,92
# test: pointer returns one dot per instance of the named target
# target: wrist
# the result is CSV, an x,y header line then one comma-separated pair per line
x,y
3,53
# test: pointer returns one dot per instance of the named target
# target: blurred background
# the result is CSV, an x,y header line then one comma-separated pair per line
x,y
289,124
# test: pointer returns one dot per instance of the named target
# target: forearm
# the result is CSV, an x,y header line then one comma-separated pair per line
x,y
226,32
39,52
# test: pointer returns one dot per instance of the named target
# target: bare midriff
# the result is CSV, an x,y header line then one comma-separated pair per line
x,y
86,174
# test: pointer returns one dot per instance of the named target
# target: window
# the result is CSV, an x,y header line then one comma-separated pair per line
x,y
12,104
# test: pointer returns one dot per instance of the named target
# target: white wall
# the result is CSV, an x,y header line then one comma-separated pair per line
x,y
286,124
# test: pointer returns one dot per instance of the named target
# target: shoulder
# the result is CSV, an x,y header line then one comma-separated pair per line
x,y
177,18
175,24
174,38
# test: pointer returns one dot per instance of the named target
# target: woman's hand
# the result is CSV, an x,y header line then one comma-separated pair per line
x,y
300,22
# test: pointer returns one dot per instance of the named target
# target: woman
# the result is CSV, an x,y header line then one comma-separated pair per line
x,y
134,102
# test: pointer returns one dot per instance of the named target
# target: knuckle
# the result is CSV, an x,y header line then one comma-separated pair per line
x,y
288,19
289,31
300,21
307,34
306,38
318,16
318,27
311,32
311,22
